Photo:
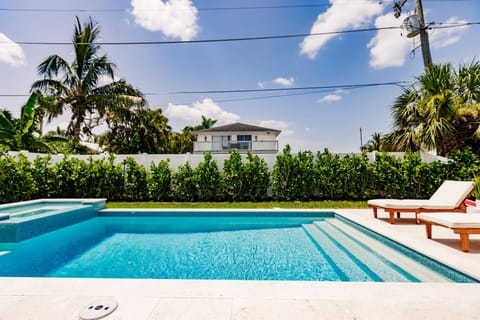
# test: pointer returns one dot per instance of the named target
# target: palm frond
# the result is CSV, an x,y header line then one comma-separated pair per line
x,y
28,113
52,66
5,124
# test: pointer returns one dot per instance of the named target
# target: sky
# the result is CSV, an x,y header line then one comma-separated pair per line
x,y
337,118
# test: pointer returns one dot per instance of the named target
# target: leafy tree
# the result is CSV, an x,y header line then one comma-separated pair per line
x,y
140,131
183,142
76,86
180,142
22,134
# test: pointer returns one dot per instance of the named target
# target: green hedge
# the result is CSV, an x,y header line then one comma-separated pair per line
x,y
304,176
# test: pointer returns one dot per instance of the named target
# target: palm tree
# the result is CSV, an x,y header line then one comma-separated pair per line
x,y
375,144
439,112
76,86
207,123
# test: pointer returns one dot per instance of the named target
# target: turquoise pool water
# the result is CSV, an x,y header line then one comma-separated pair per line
x,y
235,246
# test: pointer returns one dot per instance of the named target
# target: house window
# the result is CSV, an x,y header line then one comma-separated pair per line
x,y
220,142
244,141
246,137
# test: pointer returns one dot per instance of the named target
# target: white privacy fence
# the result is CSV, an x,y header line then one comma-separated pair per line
x,y
177,160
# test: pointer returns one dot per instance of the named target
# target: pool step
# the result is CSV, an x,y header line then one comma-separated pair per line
x,y
366,258
337,257
390,256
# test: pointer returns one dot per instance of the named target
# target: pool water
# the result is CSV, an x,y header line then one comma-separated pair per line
x,y
234,247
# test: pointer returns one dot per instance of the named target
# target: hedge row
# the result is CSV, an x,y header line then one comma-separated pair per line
x,y
304,176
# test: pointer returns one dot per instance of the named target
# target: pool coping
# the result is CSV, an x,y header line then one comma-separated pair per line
x,y
46,200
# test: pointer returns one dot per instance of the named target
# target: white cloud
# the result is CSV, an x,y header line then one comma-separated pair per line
x,y
339,17
280,81
388,48
440,38
174,18
10,52
207,108
336,96
330,98
279,125
284,81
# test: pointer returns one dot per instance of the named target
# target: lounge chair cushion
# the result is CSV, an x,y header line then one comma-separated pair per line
x,y
453,193
452,220
398,203
449,195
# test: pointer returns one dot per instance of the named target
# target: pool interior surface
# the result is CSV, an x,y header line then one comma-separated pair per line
x,y
320,248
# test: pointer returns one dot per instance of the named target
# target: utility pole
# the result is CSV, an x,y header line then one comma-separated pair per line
x,y
397,11
361,140
427,57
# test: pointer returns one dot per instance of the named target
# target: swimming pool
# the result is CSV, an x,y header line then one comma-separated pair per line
x,y
269,245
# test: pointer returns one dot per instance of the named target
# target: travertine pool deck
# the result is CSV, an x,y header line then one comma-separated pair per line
x,y
52,299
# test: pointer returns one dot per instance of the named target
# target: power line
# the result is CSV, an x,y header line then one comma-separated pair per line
x,y
301,35
304,6
116,10
288,94
344,86
287,36
305,88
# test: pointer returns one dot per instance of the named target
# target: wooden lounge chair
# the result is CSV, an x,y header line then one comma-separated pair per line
x,y
449,197
462,224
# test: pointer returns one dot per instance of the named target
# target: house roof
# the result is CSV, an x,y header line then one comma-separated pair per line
x,y
237,127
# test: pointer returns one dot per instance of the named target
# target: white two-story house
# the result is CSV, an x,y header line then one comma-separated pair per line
x,y
240,136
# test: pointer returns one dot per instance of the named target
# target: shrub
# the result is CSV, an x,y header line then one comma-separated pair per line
x,y
184,187
16,181
160,181
245,181
136,185
43,175
256,179
207,179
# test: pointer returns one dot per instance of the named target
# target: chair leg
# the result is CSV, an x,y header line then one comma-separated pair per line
x,y
375,212
398,215
392,217
465,242
428,229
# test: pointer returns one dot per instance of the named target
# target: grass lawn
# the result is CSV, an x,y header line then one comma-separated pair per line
x,y
244,205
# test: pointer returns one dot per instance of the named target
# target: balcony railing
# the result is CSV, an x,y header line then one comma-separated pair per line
x,y
219,147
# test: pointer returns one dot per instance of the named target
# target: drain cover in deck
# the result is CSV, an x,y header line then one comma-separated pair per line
x,y
98,309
